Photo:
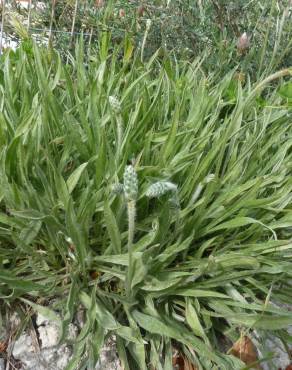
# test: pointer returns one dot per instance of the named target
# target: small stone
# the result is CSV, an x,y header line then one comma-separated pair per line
x,y
64,354
41,320
280,356
72,331
23,345
2,365
48,335
108,359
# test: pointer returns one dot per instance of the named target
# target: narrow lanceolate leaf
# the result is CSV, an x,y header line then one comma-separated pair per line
x,y
236,223
170,141
139,269
128,334
156,326
105,318
75,176
76,233
112,228
29,233
69,309
193,320
14,282
121,348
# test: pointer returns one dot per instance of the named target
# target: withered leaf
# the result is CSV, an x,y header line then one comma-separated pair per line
x,y
245,350
180,362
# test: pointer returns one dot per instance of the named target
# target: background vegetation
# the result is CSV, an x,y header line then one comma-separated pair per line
x,y
188,28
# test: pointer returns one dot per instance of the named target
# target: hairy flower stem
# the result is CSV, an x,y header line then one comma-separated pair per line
x,y
131,205
119,134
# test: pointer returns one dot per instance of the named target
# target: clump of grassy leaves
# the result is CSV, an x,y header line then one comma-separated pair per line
x,y
205,245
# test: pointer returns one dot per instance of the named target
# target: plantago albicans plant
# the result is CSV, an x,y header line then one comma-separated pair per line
x,y
199,261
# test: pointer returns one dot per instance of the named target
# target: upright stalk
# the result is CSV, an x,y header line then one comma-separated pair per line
x,y
119,133
51,22
2,25
29,15
73,22
131,207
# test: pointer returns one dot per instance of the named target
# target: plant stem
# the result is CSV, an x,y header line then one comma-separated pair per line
x,y
131,205
29,15
131,220
119,133
51,22
2,25
73,23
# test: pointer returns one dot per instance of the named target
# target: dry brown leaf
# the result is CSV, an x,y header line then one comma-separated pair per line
x,y
180,362
188,365
94,274
99,3
141,10
3,346
245,350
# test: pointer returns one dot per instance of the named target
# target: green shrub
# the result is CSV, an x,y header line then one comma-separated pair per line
x,y
178,235
186,27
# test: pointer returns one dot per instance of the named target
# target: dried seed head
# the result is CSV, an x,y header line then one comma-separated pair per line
x,y
225,43
141,10
130,183
160,188
115,104
239,76
243,43
148,24
122,13
99,3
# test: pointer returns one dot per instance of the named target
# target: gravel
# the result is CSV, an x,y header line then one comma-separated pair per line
x,y
44,353
280,357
